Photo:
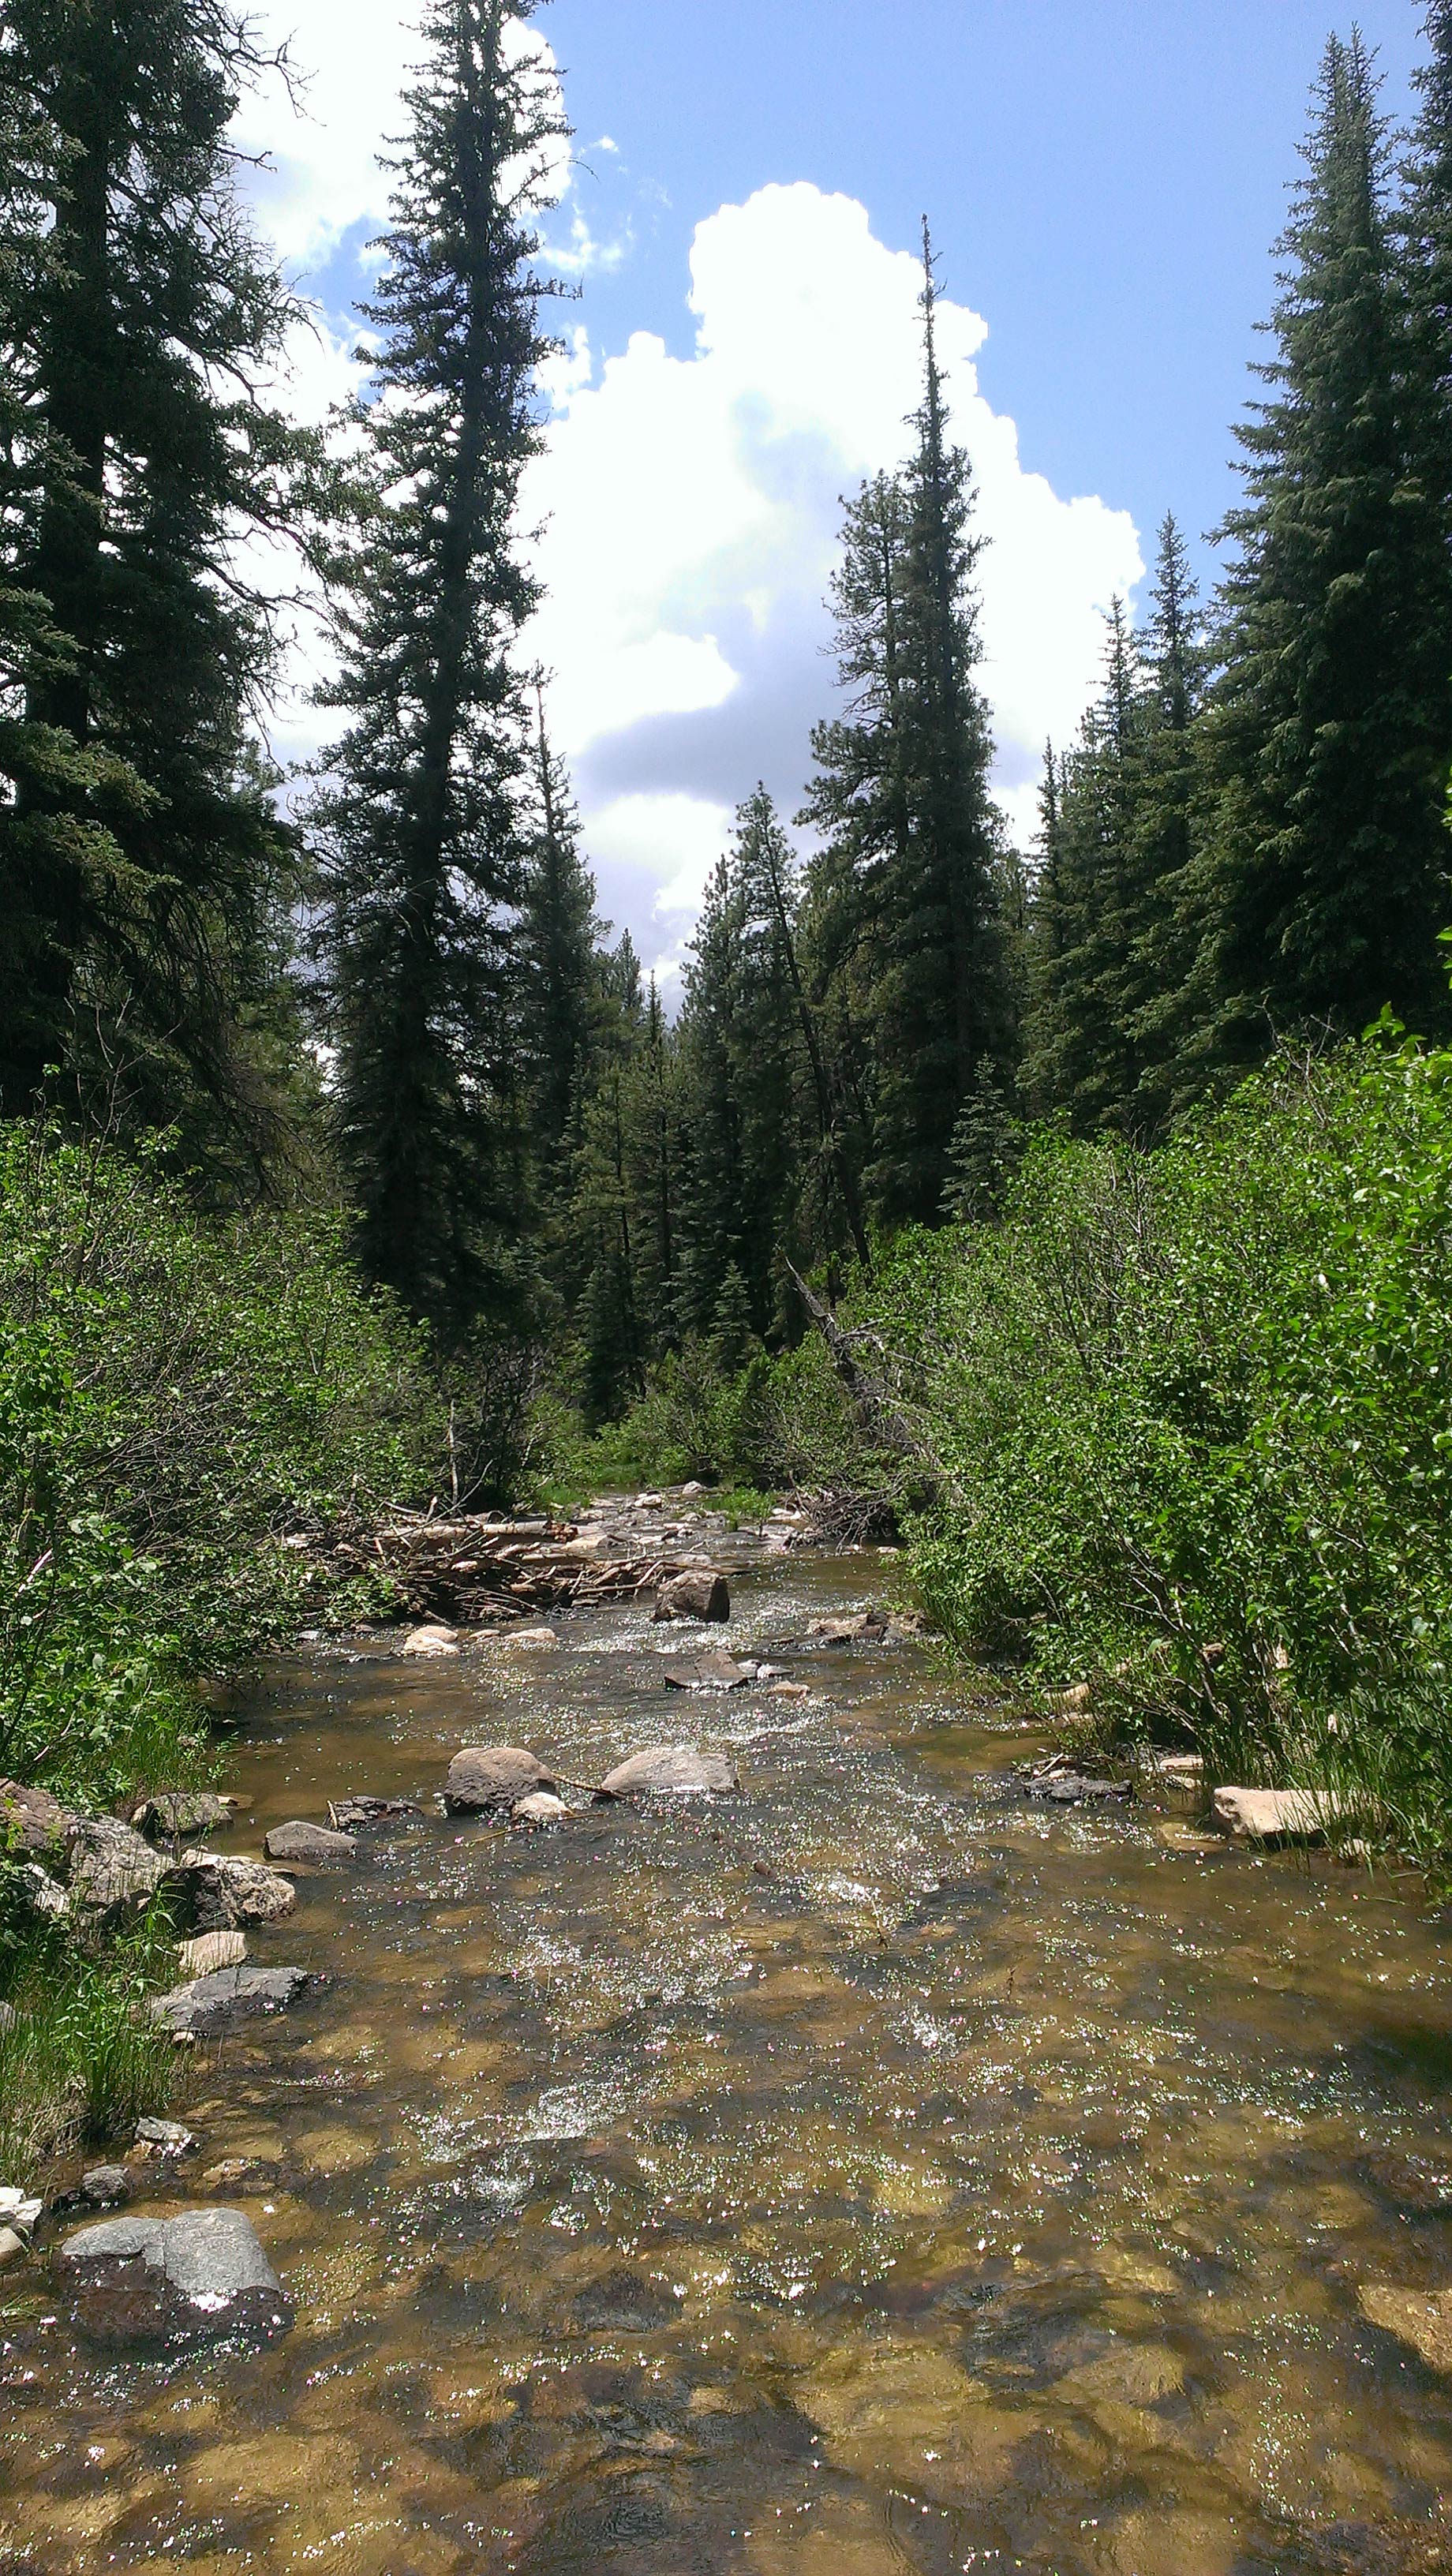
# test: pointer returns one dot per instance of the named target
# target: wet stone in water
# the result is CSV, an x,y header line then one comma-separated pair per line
x,y
489,1779
317,1844
667,1770
229,1995
150,2280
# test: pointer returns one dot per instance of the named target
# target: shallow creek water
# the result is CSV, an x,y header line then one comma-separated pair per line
x,y
871,2176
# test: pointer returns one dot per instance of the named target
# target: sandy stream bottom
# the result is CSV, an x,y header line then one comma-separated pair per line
x,y
872,2176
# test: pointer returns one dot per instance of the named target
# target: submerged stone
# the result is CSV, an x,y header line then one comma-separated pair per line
x,y
148,2280
708,1672
1422,2318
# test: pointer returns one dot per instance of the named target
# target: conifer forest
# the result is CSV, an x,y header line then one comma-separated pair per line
x,y
1072,1219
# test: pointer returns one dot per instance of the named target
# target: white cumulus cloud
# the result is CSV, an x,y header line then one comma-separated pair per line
x,y
690,509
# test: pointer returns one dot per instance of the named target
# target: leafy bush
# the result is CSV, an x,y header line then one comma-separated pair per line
x,y
80,2059
1193,1412
773,1424
179,1396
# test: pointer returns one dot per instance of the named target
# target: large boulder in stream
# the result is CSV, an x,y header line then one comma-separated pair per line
x,y
225,1894
1276,1815
172,2280
113,1872
673,1771
699,1593
490,1779
214,2002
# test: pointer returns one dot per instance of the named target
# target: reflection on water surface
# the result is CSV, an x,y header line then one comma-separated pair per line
x,y
872,2174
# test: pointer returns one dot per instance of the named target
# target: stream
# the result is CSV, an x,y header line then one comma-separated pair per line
x,y
872,2175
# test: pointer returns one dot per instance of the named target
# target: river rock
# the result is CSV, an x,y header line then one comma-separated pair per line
x,y
169,2138
315,1843
104,2185
1075,1789
434,1638
211,2003
1421,2318
529,1637
210,1951
673,1770
700,1593
41,1895
222,1893
31,1820
1275,1815
487,1779
179,1814
849,1628
539,1809
19,2211
708,1672
148,2280
346,1814
692,1492
113,1872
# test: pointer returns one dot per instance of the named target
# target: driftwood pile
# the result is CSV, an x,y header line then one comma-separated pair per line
x,y
475,1572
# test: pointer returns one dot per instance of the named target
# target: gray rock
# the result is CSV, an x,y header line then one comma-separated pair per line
x,y
164,2137
113,1872
700,1593
175,1815
346,1814
104,2185
488,1779
31,1820
222,1894
1076,1789
315,1843
150,2280
673,1770
229,1994
43,1897
850,1628
540,1808
708,1672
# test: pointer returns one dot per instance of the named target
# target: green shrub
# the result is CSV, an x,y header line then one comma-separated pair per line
x,y
179,1397
1193,1411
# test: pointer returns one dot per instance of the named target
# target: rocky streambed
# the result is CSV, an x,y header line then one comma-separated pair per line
x,y
851,2164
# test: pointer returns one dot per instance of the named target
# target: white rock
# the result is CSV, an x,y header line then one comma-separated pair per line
x,y
1276,1815
529,1637
527,1815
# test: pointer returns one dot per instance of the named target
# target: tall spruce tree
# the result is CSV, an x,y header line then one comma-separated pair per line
x,y
1158,987
421,849
561,997
146,882
940,1002
1333,713
905,897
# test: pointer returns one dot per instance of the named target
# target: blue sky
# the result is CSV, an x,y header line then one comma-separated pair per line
x,y
1104,182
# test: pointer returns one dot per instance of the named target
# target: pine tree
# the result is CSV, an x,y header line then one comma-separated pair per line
x,y
1158,994
905,895
147,882
940,1001
1333,714
421,848
1082,1057
561,997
